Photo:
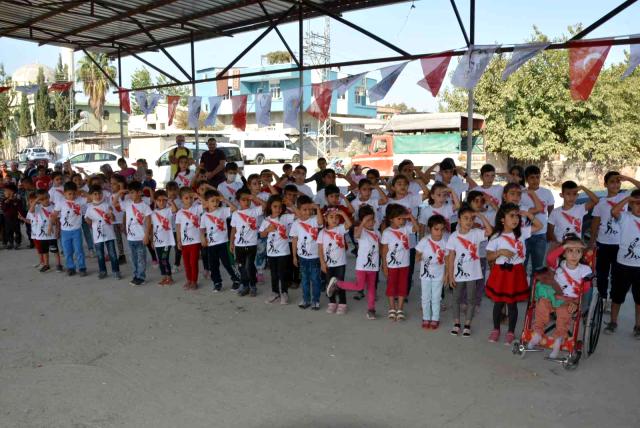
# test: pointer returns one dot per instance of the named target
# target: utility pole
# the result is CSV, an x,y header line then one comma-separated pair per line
x,y
472,33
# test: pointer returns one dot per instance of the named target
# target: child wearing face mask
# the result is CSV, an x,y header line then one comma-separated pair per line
x,y
231,185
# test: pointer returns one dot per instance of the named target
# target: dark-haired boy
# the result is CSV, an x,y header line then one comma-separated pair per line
x,y
231,185
568,217
68,216
12,208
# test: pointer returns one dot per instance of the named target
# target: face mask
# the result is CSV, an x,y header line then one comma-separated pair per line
x,y
231,177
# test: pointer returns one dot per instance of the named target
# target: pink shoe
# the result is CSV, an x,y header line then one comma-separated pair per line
x,y
509,338
342,309
426,325
494,336
331,308
435,325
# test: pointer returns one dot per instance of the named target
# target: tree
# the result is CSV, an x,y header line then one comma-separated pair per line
x,y
278,57
402,107
531,116
6,100
24,116
139,79
95,84
42,105
62,100
183,91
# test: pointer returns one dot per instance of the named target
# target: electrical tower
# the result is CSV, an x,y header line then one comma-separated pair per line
x,y
317,50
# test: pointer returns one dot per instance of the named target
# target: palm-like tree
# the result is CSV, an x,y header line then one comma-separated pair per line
x,y
95,84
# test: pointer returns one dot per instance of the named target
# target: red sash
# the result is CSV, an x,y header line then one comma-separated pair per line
x,y
473,249
516,244
250,221
402,237
438,251
164,222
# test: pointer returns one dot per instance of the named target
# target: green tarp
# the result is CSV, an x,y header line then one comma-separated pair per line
x,y
436,143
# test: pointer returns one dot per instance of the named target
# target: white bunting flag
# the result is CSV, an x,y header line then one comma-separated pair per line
x,y
472,65
214,105
28,89
263,110
141,100
389,76
520,55
634,60
343,84
194,104
147,103
291,98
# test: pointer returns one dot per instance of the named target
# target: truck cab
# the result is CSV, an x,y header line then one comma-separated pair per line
x,y
379,156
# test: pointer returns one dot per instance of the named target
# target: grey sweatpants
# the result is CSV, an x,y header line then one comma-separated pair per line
x,y
467,288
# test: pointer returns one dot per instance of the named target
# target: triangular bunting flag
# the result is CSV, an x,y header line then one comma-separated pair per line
x,y
214,105
434,69
389,76
4,88
263,109
471,66
125,103
585,63
28,89
154,99
239,108
343,84
60,86
194,104
321,102
520,55
634,61
172,106
291,99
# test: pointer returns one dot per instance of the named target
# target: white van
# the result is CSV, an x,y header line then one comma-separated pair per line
x,y
161,166
260,147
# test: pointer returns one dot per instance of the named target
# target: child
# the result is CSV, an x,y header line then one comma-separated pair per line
x,y
332,249
99,216
136,220
215,238
431,253
328,179
304,234
479,202
438,205
118,184
492,192
229,187
335,199
516,175
56,193
173,193
162,220
12,208
184,175
395,256
367,261
626,273
46,233
560,291
148,180
365,196
68,215
255,184
275,228
299,176
507,283
568,218
26,193
244,239
463,264
31,221
188,231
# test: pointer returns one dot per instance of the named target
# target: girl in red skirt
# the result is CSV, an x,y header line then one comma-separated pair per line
x,y
507,283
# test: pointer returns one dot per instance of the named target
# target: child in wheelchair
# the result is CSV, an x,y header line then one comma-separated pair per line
x,y
559,290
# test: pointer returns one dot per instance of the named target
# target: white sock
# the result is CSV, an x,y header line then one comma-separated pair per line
x,y
556,348
534,341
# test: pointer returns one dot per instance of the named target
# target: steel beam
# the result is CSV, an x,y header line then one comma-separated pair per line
x,y
604,19
459,19
113,82
53,12
158,69
472,39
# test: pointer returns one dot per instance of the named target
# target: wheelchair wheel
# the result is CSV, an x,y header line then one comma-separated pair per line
x,y
593,323
572,361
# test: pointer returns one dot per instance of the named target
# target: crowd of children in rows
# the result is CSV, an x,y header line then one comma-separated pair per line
x,y
415,219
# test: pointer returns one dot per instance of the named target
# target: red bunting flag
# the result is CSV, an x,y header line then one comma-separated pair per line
x,y
585,63
4,88
434,69
172,105
125,104
322,93
239,108
60,86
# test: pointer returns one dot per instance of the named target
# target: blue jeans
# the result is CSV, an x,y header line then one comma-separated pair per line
x,y
311,274
72,244
138,259
536,252
113,256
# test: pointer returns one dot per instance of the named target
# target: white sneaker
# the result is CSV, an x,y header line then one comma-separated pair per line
x,y
273,298
556,348
332,286
535,340
284,299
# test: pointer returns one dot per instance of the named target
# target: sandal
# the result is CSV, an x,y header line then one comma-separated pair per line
x,y
400,315
391,314
455,330
466,332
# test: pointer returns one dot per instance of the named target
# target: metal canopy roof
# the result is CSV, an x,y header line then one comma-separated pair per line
x,y
136,26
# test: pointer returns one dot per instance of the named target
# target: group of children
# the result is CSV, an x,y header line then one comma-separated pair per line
x,y
417,219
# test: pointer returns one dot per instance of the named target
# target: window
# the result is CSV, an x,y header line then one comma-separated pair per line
x,y
381,146
305,128
103,157
232,154
164,159
81,158
105,115
361,96
274,88
343,96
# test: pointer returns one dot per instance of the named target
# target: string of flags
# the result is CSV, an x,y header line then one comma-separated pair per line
x,y
32,89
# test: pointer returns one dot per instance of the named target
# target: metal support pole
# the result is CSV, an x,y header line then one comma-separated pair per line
x,y
301,81
472,36
121,115
193,92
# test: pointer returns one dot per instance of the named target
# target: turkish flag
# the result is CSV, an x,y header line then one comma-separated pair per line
x,y
60,86
4,88
172,105
322,93
585,63
239,108
434,69
125,104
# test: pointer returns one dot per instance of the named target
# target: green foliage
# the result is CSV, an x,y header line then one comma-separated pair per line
x,y
182,91
42,105
61,100
94,83
531,116
278,57
6,98
402,107
24,116
139,79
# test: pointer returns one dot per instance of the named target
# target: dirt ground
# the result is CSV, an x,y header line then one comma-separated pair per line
x,y
80,352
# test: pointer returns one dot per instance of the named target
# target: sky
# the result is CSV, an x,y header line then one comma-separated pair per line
x,y
430,26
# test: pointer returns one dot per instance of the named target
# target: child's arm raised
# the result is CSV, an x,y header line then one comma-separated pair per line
x,y
382,200
593,199
536,224
319,215
423,187
347,203
358,230
347,220
454,198
488,228
465,174
414,223
630,180
616,211
537,203
233,207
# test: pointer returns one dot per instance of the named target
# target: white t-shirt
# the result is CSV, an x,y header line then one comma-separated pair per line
x,y
56,194
411,202
70,213
373,203
307,233
179,205
31,217
278,240
368,251
467,256
433,259
508,241
334,246
321,200
185,179
494,193
42,215
567,221
118,210
161,221
570,280
246,224
397,242
304,189
479,224
101,222
135,216
214,224
228,190
546,197
189,221
629,251
609,230
446,211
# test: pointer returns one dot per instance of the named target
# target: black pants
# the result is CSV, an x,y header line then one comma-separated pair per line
x,y
12,233
295,270
279,267
412,266
246,259
605,261
152,251
215,255
28,231
178,257
338,272
512,313
163,260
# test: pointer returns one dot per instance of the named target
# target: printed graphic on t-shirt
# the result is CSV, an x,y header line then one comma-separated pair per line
x,y
427,267
472,254
373,254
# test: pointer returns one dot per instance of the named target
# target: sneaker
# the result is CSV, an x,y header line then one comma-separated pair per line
x,y
611,327
636,332
315,306
133,282
509,338
284,299
122,260
71,272
332,308
45,268
243,291
217,288
117,276
253,292
435,325
535,340
494,336
59,268
236,286
304,305
359,295
102,275
332,286
342,310
39,265
83,272
371,315
92,254
426,325
273,298
140,281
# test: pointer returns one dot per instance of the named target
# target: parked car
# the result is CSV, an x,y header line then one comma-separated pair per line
x,y
91,161
260,147
161,165
33,153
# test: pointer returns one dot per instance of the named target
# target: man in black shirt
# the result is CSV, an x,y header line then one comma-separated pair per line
x,y
213,162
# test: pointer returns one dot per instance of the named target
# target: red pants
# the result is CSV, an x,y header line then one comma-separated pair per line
x,y
397,282
191,255
543,313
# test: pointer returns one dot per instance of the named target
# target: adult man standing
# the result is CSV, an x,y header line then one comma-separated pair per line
x,y
213,162
177,152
